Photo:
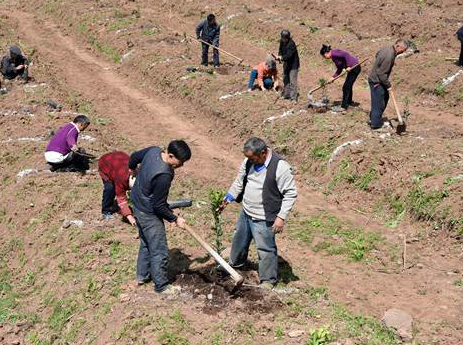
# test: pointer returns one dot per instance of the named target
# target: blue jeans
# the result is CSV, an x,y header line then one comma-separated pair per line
x,y
268,82
379,100
261,231
205,53
153,254
109,193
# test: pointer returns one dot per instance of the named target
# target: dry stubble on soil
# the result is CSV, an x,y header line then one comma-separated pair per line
x,y
63,283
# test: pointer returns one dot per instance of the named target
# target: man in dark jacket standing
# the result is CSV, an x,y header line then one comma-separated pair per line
x,y
460,38
379,80
149,195
15,65
265,186
209,31
290,57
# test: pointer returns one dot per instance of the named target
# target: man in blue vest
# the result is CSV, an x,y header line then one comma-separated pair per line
x,y
265,186
154,168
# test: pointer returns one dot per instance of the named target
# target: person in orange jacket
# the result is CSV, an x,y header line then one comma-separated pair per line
x,y
266,74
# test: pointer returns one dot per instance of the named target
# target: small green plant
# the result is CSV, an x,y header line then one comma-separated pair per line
x,y
216,197
279,332
458,282
319,336
439,89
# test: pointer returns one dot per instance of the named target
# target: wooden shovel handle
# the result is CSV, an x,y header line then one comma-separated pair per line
x,y
396,106
235,275
219,49
339,76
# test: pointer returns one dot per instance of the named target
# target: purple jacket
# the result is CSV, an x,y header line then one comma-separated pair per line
x,y
342,60
64,139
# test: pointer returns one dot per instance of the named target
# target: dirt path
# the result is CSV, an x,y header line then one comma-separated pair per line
x,y
148,121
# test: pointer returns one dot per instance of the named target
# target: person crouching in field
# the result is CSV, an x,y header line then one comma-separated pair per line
x,y
343,60
117,179
15,65
62,152
266,74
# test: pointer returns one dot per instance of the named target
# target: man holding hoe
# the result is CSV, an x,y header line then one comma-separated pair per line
x,y
265,186
155,172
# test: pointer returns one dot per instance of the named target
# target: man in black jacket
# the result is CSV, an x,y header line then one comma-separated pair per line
x,y
460,38
149,195
209,31
15,65
290,57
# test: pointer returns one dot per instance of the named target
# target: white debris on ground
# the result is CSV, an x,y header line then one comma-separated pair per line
x,y
229,95
32,87
25,139
285,114
126,55
447,81
11,112
285,291
87,137
27,172
67,223
231,16
341,148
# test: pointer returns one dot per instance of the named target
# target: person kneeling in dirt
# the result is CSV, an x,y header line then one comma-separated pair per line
x,y
62,152
287,53
208,31
149,195
460,38
266,74
15,65
117,180
265,186
343,60
379,81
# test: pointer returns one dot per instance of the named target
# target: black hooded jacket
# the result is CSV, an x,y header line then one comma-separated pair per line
x,y
289,55
9,64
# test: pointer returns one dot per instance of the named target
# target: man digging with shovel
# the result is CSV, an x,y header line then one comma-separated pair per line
x,y
208,31
149,195
380,86
265,186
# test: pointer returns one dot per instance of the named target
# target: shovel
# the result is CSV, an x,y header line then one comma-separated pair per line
x,y
214,47
237,278
402,126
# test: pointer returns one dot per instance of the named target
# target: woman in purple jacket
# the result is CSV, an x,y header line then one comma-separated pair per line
x,y
343,60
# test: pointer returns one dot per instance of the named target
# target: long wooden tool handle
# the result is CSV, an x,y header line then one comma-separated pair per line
x,y
339,76
235,275
219,49
399,116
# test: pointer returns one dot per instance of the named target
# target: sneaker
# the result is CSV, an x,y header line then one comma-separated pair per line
x,y
108,216
338,109
171,290
143,281
266,286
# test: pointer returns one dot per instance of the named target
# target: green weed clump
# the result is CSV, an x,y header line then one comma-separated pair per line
x,y
216,197
319,336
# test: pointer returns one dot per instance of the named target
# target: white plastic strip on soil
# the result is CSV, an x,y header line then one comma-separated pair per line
x,y
285,114
87,137
447,81
229,95
341,148
26,139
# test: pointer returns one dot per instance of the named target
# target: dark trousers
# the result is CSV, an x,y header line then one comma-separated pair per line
x,y
23,73
74,163
109,193
460,61
347,88
153,254
290,84
205,55
379,100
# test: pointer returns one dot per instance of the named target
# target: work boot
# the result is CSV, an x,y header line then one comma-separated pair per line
x,y
266,286
338,109
107,216
171,290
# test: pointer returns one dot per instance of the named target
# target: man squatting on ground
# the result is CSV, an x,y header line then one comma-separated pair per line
x,y
265,186
15,65
266,74
209,31
343,60
379,81
460,38
62,152
117,180
149,195
287,53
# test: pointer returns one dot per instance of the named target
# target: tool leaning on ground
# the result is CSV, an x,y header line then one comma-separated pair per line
x,y
214,47
237,278
402,126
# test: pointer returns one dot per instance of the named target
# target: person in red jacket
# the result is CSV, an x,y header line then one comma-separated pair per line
x,y
114,170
